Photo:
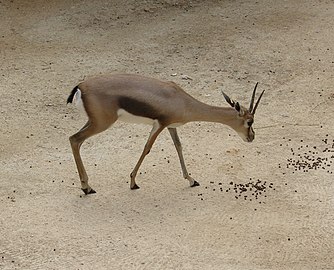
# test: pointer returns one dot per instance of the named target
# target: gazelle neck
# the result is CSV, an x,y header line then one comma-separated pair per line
x,y
208,113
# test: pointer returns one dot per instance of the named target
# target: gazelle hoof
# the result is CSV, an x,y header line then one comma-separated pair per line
x,y
88,191
135,187
195,184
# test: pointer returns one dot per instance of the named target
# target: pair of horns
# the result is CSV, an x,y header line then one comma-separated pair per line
x,y
252,108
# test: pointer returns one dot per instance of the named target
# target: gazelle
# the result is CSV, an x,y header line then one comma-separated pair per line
x,y
138,99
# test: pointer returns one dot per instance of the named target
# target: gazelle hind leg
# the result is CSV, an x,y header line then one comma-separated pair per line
x,y
178,146
156,130
76,140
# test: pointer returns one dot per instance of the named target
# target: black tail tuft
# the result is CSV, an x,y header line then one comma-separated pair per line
x,y
70,97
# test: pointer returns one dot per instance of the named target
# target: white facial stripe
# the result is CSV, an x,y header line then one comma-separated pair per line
x,y
248,123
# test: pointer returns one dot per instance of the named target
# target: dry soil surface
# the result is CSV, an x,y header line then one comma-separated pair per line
x,y
264,205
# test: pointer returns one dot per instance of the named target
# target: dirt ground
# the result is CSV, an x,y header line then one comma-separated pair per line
x,y
264,205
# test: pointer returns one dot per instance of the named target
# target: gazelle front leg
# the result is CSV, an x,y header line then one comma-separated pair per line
x,y
178,146
157,128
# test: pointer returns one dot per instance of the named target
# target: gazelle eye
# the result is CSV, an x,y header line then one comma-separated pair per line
x,y
250,123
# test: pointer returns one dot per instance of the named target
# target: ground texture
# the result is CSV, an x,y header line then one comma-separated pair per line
x,y
264,205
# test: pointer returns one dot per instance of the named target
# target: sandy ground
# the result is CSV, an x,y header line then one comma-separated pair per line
x,y
232,221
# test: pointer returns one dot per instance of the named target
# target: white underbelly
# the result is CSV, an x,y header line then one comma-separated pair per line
x,y
175,125
125,116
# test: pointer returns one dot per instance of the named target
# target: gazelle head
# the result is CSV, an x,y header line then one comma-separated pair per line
x,y
245,117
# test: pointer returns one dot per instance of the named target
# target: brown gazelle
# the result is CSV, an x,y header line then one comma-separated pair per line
x,y
138,99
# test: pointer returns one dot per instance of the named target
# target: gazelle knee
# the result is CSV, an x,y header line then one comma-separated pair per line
x,y
73,140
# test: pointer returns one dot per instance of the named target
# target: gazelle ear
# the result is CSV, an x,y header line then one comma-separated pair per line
x,y
228,100
237,107
234,104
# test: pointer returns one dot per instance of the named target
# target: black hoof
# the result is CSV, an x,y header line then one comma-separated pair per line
x,y
195,184
88,191
135,187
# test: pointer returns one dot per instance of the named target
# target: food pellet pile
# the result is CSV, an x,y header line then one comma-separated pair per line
x,y
252,190
306,157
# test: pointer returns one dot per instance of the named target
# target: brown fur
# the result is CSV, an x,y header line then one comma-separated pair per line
x,y
164,102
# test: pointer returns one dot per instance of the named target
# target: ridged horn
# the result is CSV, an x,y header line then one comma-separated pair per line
x,y
253,97
257,102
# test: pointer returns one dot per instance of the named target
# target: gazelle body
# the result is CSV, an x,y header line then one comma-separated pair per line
x,y
138,99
